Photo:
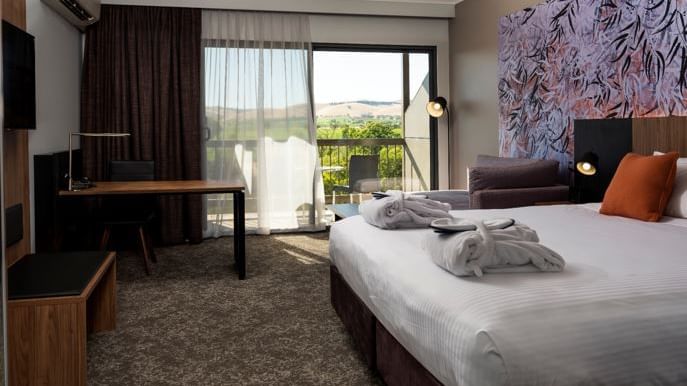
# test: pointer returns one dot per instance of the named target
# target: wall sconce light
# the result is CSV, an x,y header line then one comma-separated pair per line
x,y
588,164
436,108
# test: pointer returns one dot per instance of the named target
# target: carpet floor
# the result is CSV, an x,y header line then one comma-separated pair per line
x,y
192,322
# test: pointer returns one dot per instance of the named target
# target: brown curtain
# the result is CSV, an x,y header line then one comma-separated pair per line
x,y
142,75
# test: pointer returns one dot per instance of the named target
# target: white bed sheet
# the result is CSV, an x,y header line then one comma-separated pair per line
x,y
616,315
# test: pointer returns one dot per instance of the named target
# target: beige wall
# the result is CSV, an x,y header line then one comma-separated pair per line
x,y
474,80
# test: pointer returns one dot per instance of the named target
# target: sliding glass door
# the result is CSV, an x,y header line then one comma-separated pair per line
x,y
372,126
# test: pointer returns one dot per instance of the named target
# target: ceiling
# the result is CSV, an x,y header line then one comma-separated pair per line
x,y
406,8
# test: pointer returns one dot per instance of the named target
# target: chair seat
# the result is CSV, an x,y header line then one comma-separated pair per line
x,y
112,217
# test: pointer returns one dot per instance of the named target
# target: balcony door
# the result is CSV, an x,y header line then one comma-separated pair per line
x,y
372,126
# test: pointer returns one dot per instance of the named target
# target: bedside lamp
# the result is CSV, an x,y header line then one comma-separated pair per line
x,y
588,164
70,181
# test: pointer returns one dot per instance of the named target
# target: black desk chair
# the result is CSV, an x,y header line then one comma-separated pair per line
x,y
136,212
363,176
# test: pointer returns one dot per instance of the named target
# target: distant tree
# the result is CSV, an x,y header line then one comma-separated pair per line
x,y
380,129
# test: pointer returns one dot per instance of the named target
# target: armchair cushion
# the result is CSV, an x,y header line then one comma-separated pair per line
x,y
458,199
533,174
491,161
511,198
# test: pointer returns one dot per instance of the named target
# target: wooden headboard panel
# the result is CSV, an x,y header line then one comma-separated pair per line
x,y
662,134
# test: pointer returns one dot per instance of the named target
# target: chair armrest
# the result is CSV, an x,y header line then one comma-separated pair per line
x,y
512,198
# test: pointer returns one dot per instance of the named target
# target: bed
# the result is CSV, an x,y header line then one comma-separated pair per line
x,y
616,315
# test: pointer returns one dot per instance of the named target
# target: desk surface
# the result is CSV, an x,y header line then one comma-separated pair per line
x,y
109,188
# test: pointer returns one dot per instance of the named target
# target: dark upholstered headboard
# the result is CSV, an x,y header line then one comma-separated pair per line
x,y
611,139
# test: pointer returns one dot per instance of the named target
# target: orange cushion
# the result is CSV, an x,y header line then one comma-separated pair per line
x,y
641,187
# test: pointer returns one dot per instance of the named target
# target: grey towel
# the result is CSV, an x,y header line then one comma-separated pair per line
x,y
400,210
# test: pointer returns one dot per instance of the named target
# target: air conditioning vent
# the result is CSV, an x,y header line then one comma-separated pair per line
x,y
80,13
77,10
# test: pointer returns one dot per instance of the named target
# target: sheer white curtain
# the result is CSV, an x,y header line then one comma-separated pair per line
x,y
259,115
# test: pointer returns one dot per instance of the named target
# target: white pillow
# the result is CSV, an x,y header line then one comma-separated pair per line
x,y
677,205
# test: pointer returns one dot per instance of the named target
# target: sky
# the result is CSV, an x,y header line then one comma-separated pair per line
x,y
351,76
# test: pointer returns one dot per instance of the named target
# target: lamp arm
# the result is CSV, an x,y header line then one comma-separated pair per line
x,y
450,144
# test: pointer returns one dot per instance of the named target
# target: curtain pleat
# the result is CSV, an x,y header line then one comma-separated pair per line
x,y
141,75
259,113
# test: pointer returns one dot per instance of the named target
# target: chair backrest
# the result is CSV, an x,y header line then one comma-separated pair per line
x,y
132,170
362,167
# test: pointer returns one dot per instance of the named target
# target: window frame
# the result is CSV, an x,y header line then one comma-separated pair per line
x,y
431,51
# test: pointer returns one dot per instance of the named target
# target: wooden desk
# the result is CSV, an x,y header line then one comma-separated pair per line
x,y
54,301
110,188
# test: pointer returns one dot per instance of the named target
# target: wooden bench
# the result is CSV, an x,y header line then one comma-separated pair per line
x,y
54,300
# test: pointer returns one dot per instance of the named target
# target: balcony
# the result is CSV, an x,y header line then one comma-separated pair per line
x,y
399,167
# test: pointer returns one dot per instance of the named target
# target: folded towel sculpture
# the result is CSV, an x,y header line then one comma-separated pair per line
x,y
398,210
473,253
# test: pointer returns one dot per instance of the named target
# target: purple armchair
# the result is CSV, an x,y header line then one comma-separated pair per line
x,y
497,183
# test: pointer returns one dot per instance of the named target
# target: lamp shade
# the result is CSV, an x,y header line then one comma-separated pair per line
x,y
436,107
588,164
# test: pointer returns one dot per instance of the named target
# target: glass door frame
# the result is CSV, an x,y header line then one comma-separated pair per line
x,y
431,51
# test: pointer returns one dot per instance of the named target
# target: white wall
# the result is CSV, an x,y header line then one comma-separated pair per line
x,y
58,74
395,31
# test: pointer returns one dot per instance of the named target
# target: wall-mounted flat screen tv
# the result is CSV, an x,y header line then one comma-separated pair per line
x,y
19,78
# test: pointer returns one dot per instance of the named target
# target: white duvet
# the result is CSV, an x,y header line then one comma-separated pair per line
x,y
617,314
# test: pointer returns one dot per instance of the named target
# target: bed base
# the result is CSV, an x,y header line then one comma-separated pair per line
x,y
381,351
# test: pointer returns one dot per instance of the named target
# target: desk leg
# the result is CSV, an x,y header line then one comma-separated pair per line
x,y
240,233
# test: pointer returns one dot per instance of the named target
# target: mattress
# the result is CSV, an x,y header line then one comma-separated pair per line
x,y
616,315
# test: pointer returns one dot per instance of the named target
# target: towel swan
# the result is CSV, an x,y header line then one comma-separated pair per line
x,y
473,253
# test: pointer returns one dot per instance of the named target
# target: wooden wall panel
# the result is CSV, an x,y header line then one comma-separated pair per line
x,y
47,342
14,11
662,134
16,153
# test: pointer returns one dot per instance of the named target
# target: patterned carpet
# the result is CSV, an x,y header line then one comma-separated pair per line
x,y
194,323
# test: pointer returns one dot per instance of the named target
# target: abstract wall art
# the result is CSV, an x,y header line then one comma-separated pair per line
x,y
587,59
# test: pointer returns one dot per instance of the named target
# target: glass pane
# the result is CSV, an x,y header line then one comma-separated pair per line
x,y
417,158
359,111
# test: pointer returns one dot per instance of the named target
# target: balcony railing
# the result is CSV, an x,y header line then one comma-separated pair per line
x,y
397,168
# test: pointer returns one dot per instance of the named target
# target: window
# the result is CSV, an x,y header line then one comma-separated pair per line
x,y
370,105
